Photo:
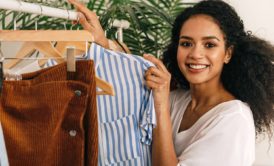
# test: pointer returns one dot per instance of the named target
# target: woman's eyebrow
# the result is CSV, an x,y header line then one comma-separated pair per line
x,y
210,37
186,37
203,38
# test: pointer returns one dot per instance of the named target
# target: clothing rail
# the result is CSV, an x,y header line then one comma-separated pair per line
x,y
18,5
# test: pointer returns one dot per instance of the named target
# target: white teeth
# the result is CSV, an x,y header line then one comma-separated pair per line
x,y
197,66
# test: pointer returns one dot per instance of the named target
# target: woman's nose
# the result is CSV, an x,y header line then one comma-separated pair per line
x,y
196,52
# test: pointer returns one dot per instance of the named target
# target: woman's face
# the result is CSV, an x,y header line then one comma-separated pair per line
x,y
201,51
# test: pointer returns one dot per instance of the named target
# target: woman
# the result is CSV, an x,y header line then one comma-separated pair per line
x,y
226,84
224,94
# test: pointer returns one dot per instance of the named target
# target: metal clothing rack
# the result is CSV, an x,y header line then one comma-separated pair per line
x,y
18,5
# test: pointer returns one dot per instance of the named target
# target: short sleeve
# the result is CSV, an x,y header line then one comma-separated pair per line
x,y
148,121
227,141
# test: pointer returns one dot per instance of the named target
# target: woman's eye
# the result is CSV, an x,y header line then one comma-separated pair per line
x,y
209,45
185,44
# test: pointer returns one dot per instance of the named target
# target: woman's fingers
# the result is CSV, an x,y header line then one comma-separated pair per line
x,y
90,22
79,6
158,63
89,15
156,78
83,21
155,71
152,85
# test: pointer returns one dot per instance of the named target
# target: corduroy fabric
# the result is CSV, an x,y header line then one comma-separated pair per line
x,y
50,120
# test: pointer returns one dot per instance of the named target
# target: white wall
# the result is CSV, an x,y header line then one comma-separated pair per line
x,y
258,16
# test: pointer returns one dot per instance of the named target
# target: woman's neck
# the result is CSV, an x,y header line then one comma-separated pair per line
x,y
204,95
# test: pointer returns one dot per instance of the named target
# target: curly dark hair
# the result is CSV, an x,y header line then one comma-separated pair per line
x,y
249,74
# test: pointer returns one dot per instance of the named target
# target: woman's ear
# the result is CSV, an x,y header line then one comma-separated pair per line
x,y
228,54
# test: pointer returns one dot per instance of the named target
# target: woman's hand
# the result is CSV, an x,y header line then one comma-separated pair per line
x,y
90,22
158,79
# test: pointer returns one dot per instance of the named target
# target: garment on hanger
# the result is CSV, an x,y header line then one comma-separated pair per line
x,y
127,119
49,120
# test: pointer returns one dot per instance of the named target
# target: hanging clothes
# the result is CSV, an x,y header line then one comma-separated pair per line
x,y
49,120
126,120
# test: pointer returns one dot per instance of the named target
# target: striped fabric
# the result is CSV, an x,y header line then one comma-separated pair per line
x,y
126,120
49,63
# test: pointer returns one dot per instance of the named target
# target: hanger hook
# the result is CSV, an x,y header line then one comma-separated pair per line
x,y
69,18
15,18
68,13
75,24
41,13
14,22
65,25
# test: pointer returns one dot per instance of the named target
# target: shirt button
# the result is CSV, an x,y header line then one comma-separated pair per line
x,y
72,133
78,93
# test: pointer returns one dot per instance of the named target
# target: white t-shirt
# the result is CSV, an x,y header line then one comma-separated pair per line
x,y
224,136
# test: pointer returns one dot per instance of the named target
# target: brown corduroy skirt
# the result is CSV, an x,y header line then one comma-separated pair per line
x,y
49,118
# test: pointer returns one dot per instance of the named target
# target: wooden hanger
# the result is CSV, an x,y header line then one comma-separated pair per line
x,y
29,47
45,35
81,47
55,35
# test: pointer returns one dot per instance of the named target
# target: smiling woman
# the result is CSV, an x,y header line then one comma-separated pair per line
x,y
201,51
224,79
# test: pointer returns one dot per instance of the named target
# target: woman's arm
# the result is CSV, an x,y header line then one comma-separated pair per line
x,y
158,79
90,22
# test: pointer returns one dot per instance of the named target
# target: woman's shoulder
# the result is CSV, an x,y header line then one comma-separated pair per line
x,y
233,107
234,110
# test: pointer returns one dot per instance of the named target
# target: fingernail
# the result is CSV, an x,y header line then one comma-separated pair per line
x,y
145,55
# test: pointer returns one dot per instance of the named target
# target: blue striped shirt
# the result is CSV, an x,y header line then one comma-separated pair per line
x,y
126,120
